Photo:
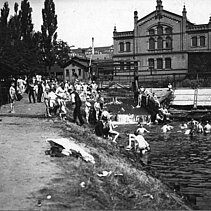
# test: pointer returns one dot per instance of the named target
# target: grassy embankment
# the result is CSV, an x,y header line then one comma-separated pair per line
x,y
127,187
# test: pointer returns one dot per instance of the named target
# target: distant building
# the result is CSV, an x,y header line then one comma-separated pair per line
x,y
56,72
100,53
77,67
162,45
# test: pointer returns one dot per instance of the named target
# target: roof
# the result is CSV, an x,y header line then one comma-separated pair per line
x,y
164,12
78,61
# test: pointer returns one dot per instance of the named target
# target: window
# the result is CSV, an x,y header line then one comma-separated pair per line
x,y
194,41
67,73
202,41
168,42
160,43
151,64
159,30
73,72
121,65
168,30
79,72
168,63
159,63
121,47
128,65
128,46
151,32
151,44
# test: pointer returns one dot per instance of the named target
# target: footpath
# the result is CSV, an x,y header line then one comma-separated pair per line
x,y
24,109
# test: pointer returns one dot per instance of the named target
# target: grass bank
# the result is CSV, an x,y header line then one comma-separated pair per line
x,y
128,186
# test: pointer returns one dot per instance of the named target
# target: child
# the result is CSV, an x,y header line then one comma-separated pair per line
x,y
13,97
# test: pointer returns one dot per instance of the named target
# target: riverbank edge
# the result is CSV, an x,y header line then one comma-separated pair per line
x,y
128,186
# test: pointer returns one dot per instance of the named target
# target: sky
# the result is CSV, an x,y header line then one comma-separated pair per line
x,y
80,20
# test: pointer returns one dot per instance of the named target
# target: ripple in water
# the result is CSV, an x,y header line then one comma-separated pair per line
x,y
183,162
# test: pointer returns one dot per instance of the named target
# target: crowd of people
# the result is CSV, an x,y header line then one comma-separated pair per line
x,y
55,95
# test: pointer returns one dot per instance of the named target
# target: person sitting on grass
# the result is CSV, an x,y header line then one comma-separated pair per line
x,y
111,129
140,143
102,128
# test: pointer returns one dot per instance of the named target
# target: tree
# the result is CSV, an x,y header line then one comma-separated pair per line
x,y
62,50
3,23
15,26
49,34
21,52
26,21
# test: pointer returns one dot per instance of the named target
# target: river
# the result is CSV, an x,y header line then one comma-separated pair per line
x,y
183,162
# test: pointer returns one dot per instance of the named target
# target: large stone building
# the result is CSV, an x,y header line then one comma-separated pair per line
x,y
162,45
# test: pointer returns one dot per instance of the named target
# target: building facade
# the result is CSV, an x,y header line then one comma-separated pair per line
x,y
76,68
160,45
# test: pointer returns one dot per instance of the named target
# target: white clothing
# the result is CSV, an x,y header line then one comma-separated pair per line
x,y
142,143
166,128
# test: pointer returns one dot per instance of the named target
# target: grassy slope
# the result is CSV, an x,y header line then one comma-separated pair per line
x,y
128,187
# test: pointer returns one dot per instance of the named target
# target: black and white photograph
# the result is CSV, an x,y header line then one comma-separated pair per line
x,y
105,105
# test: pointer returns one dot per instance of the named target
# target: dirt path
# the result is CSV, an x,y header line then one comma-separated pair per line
x,y
24,166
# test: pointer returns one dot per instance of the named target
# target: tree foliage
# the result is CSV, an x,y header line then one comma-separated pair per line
x,y
24,51
19,51
26,21
4,23
62,50
49,34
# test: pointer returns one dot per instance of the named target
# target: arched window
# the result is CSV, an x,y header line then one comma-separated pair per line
x,y
194,41
168,63
151,44
168,30
159,30
128,47
159,63
202,41
151,32
151,64
160,43
168,42
121,47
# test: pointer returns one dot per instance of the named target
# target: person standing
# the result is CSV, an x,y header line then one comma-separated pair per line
x,y
76,101
39,91
13,97
31,91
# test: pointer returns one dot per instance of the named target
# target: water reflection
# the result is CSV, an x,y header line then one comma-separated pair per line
x,y
183,162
